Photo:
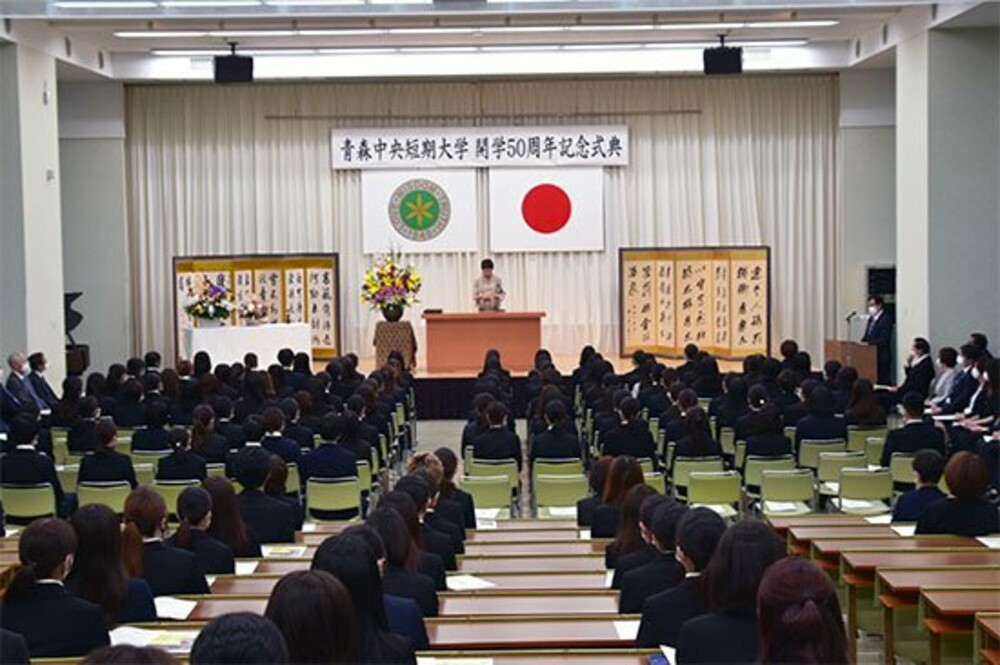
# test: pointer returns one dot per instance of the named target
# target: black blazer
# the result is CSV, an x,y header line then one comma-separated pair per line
x,y
960,518
13,649
688,448
419,587
719,637
815,427
214,449
498,443
151,439
910,438
301,435
440,544
181,466
54,623
406,619
106,466
452,511
24,466
43,389
585,510
285,448
171,571
768,445
214,557
664,613
270,520
606,519
628,562
454,532
658,575
232,432
432,566
81,437
468,506
919,378
554,444
632,439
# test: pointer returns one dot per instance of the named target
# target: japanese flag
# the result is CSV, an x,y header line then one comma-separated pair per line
x,y
546,210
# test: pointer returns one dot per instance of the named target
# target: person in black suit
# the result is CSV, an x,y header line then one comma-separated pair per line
x,y
130,411
240,637
633,436
224,425
36,605
916,434
13,648
80,438
38,363
330,460
733,576
918,370
428,563
194,508
596,479
447,516
276,486
498,442
437,542
24,465
928,466
878,332
965,512
274,439
106,464
555,442
342,430
181,464
663,572
637,557
624,474
697,440
767,438
19,382
402,576
313,611
822,421
964,386
153,437
665,612
449,492
294,430
205,441
168,570
792,414
269,520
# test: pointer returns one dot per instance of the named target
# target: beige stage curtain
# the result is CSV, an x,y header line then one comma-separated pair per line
x,y
734,161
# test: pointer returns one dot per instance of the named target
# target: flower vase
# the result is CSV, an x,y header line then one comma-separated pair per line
x,y
392,312
209,323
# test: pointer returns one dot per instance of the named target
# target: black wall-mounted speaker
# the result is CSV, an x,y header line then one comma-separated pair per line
x,y
233,69
723,60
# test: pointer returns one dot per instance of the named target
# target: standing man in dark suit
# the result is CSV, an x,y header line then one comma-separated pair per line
x,y
879,334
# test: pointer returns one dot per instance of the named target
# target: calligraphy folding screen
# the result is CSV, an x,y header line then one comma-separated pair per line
x,y
294,288
717,298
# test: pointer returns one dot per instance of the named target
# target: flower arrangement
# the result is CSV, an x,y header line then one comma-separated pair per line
x,y
213,302
253,310
390,284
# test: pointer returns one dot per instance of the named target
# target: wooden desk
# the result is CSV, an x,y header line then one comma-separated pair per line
x,y
951,613
557,603
509,548
493,539
800,537
458,342
826,551
783,524
542,656
986,639
529,633
533,564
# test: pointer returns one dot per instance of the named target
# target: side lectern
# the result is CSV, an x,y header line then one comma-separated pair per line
x,y
862,357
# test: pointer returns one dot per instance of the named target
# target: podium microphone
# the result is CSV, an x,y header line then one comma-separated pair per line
x,y
851,316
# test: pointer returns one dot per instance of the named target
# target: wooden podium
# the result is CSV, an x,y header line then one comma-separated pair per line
x,y
457,342
860,356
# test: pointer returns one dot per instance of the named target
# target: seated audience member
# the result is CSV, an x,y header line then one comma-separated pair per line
x,y
915,434
757,399
154,436
822,423
662,573
596,479
205,441
842,387
743,555
274,438
294,430
863,407
24,465
450,491
181,464
36,605
964,385
965,512
168,570
224,425
438,542
798,616
632,437
402,576
648,552
555,441
240,637
918,370
342,432
106,464
676,428
498,442
331,460
928,465
697,440
791,415
194,509
351,561
13,647
984,404
732,405
129,410
227,525
126,654
629,536
428,563
44,396
313,611
98,573
623,475
403,614
276,486
767,438
444,515
663,614
947,361
80,439
269,520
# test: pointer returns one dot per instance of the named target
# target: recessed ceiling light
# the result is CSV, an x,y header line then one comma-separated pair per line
x,y
105,4
818,23
401,2
208,4
251,33
159,34
724,25
312,3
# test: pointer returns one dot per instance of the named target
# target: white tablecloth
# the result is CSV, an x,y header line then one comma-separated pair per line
x,y
228,344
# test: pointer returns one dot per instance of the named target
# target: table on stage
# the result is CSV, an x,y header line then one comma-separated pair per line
x,y
457,342
228,344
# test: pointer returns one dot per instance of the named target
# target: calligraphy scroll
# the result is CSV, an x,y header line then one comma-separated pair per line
x,y
717,298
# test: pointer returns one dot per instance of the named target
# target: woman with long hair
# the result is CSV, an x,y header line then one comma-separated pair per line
x,y
624,474
194,509
401,576
227,524
863,407
313,610
450,491
205,442
65,412
428,563
628,537
181,463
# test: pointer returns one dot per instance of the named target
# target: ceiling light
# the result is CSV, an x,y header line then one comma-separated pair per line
x,y
401,2
600,47
106,4
312,3
768,43
208,4
356,51
158,34
818,23
251,33
189,53
509,49
700,26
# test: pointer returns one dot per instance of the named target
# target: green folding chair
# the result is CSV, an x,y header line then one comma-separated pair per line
x,y
333,494
559,491
857,437
171,490
67,476
551,466
754,467
24,503
685,466
830,466
145,473
716,490
365,476
293,483
488,491
491,467
874,448
647,465
727,440
864,492
809,450
216,469
657,481
901,469
786,492
111,494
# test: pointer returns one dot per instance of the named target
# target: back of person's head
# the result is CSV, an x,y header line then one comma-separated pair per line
x,y
598,477
970,353
151,381
313,611
928,464
126,654
227,521
286,357
798,615
948,356
768,421
427,463
152,359
979,339
105,434
744,553
663,526
290,409
404,504
629,408
253,428
237,638
624,474
179,439
274,419
821,402
555,413
697,423
135,366
449,463
301,363
277,476
43,550
133,391
698,534
145,516
687,399
416,486
194,504
690,351
913,405
157,413
400,551
251,466
831,368
98,568
648,508
789,348
757,397
629,535
967,476
24,429
223,407
496,413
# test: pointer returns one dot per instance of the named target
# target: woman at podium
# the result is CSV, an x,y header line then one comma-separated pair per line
x,y
488,290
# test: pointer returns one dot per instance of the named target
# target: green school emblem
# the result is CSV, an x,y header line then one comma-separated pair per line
x,y
419,209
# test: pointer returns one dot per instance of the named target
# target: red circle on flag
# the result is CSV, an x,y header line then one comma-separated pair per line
x,y
546,208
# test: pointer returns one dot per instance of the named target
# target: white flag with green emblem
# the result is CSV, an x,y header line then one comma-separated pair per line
x,y
430,210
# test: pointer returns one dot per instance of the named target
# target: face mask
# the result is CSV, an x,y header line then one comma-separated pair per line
x,y
961,360
872,311
975,373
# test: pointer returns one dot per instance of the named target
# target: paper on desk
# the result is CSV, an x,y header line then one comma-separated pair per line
x,y
562,511
175,641
857,504
209,580
627,630
136,637
309,527
609,577
669,653
992,542
832,486
487,513
780,506
168,607
11,532
486,524
584,534
246,567
433,660
905,530
946,417
880,519
468,583
283,551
